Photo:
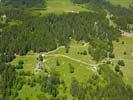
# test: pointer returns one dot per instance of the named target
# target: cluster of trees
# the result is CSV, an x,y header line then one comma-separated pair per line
x,y
50,84
7,80
78,90
102,2
110,87
121,16
11,81
20,65
99,49
24,3
5,58
118,67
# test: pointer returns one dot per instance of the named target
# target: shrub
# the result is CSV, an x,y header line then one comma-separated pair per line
x,y
117,40
108,62
54,92
71,68
67,50
40,58
121,63
111,55
125,53
74,88
57,63
84,52
123,42
19,66
21,73
21,62
117,68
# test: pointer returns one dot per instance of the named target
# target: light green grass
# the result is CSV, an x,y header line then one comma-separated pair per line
x,y
30,92
119,49
61,6
82,71
15,22
124,3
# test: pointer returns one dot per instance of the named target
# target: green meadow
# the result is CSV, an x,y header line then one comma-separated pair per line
x,y
82,67
124,3
119,49
61,6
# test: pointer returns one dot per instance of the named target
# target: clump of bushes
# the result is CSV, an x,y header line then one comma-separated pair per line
x,y
117,68
121,63
20,64
83,52
125,53
57,63
71,68
111,55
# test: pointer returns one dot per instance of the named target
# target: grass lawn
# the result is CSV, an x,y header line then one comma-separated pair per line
x,y
30,92
61,6
119,50
124,3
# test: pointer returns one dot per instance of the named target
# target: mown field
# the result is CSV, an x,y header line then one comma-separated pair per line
x,y
124,3
119,50
61,6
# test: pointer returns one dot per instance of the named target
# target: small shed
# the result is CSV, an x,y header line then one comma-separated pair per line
x,y
3,16
94,68
38,67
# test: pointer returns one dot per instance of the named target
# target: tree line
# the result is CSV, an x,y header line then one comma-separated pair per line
x,y
24,3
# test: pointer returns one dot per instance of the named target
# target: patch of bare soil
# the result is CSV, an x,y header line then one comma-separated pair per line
x,y
128,34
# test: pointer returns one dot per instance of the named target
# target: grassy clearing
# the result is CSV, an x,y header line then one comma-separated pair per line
x,y
119,50
30,92
124,3
82,66
82,71
61,6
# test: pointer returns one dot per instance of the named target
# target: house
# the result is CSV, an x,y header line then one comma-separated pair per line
x,y
94,68
43,55
3,16
38,67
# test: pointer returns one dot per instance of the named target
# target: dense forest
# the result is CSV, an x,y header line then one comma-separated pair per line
x,y
24,3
